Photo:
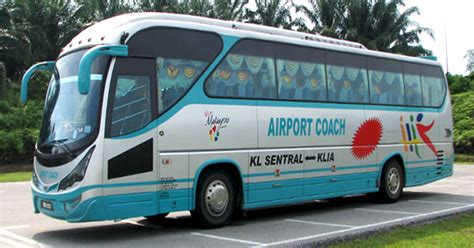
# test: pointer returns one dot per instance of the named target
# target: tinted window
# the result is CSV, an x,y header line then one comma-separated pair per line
x,y
347,78
178,61
386,82
433,86
131,109
248,71
301,73
412,84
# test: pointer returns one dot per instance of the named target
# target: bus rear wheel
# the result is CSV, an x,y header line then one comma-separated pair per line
x,y
391,187
215,203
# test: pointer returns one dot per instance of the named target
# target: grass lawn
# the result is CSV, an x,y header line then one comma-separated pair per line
x,y
454,232
15,176
463,158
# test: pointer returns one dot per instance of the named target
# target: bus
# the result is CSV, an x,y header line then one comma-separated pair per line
x,y
152,113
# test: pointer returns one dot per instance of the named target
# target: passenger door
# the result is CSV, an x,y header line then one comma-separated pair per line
x,y
130,161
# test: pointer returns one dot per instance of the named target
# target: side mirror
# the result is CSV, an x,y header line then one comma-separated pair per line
x,y
42,66
84,77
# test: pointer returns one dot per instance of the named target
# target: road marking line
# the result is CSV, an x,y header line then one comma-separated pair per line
x,y
442,185
367,226
459,181
18,237
11,242
227,239
439,202
385,211
14,227
318,223
15,198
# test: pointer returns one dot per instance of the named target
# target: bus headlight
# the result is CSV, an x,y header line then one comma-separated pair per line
x,y
78,173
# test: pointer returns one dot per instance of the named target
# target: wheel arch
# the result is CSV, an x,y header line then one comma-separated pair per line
x,y
397,156
226,164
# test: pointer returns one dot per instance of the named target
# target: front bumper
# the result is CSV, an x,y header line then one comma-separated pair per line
x,y
70,206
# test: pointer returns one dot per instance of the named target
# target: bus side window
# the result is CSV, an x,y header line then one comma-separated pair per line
x,y
175,76
301,73
247,72
288,78
433,91
347,78
412,90
131,109
433,86
386,81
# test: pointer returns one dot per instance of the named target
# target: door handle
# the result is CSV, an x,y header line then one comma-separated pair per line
x,y
277,185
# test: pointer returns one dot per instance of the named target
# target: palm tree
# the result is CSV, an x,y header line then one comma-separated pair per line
x,y
156,6
97,10
37,30
470,61
229,9
325,15
377,24
193,7
15,45
275,13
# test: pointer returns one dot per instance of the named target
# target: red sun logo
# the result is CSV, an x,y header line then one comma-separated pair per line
x,y
366,138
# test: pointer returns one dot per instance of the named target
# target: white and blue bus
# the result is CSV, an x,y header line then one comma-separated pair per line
x,y
152,113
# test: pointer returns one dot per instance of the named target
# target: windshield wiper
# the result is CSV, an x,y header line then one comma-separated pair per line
x,y
60,143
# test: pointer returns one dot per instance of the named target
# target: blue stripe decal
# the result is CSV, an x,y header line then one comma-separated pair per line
x,y
263,174
76,192
423,161
183,180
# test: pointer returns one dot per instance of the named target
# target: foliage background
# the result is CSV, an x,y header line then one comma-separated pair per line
x,y
36,30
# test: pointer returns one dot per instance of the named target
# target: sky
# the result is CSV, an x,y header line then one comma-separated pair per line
x,y
452,17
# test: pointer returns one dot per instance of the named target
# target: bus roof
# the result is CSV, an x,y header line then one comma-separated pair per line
x,y
110,31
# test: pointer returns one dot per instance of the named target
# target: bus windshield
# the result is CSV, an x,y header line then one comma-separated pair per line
x,y
70,119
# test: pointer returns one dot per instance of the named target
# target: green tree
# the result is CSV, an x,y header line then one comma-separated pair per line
x,y
326,16
15,44
458,83
274,13
377,24
470,61
463,117
229,9
36,30
156,6
97,10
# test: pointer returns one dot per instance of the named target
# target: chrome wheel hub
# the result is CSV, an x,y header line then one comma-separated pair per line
x,y
393,180
217,198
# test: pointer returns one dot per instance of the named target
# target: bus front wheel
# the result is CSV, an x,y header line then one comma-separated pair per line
x,y
391,187
215,201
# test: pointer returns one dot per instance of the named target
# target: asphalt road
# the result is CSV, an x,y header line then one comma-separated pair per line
x,y
314,222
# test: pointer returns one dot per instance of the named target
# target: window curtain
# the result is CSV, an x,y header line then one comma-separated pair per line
x,y
235,61
254,63
352,73
336,71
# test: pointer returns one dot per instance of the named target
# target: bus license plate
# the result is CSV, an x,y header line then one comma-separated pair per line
x,y
47,205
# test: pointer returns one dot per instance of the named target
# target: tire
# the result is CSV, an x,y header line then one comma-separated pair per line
x,y
156,218
392,181
215,203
